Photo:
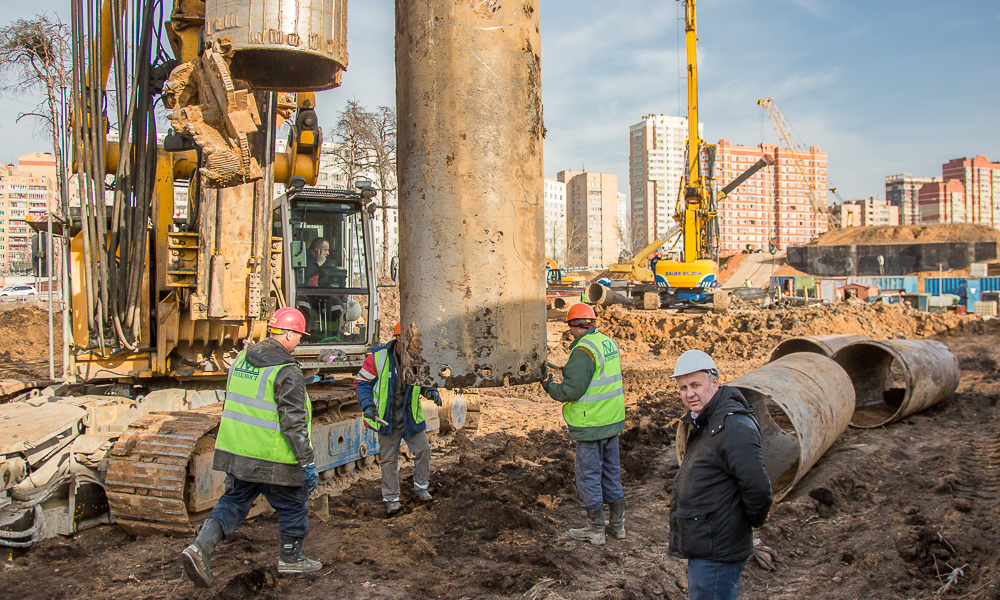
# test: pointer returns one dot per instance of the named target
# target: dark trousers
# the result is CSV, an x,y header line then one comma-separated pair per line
x,y
289,502
598,472
711,580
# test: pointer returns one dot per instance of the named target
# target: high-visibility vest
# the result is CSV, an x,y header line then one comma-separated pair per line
x,y
383,395
250,425
603,403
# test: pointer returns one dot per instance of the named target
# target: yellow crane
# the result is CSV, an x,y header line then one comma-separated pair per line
x,y
795,149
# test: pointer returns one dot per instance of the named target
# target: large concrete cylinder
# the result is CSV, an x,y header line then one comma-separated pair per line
x,y
803,402
896,378
826,345
472,277
282,45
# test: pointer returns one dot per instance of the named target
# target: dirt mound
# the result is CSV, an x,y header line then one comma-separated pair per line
x,y
751,334
908,234
388,306
24,344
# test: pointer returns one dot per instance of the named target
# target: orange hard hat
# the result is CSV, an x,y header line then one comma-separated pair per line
x,y
397,330
580,311
288,319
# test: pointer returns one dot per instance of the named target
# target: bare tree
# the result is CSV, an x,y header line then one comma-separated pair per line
x,y
577,242
34,59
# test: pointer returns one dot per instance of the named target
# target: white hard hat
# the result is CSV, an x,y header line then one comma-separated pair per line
x,y
693,361
353,312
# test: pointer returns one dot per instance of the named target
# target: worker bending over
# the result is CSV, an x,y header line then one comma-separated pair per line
x,y
595,413
264,447
721,490
393,409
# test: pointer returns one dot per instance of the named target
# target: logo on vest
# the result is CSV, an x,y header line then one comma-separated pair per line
x,y
610,349
244,371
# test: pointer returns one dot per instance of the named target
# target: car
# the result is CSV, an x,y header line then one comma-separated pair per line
x,y
18,290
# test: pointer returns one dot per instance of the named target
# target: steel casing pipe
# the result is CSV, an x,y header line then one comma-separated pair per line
x,y
803,402
826,345
472,291
605,296
896,378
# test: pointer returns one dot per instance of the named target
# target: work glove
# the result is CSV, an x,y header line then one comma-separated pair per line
x,y
311,478
435,396
371,412
547,383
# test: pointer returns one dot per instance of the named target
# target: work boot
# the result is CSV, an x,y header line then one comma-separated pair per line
x,y
291,559
195,558
423,495
617,522
392,507
594,532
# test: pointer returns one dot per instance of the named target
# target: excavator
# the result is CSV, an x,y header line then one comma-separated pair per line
x,y
158,305
694,279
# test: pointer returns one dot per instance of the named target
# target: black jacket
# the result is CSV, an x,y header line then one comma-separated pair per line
x,y
721,490
290,396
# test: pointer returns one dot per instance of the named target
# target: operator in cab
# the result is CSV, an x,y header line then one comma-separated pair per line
x,y
316,257
264,447
393,409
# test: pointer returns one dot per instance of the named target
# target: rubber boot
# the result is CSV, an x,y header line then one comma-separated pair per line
x,y
424,495
594,532
617,521
195,558
392,507
291,559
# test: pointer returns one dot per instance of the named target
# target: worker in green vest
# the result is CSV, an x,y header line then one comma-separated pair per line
x,y
594,410
264,447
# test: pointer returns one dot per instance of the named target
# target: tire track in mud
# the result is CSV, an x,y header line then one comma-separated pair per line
x,y
979,467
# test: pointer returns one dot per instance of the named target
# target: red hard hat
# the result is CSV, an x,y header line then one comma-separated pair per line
x,y
289,319
397,330
580,311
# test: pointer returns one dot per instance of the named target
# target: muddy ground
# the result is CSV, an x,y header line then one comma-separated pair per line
x,y
887,513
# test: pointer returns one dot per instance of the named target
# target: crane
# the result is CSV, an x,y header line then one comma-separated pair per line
x,y
795,149
850,215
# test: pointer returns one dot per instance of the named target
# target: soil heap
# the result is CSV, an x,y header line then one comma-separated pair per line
x,y
908,234
24,344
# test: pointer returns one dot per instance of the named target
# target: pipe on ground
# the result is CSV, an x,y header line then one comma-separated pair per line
x,y
826,345
560,303
896,378
605,296
469,121
803,402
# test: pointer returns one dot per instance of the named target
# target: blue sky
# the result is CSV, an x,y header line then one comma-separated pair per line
x,y
884,87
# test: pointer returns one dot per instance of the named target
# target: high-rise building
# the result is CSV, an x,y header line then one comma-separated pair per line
x,y
981,180
591,218
870,212
943,202
28,190
774,205
555,219
901,191
625,241
656,166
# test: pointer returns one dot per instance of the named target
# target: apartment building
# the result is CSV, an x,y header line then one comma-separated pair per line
x,y
774,205
871,212
901,191
591,218
26,190
943,202
555,219
981,180
656,166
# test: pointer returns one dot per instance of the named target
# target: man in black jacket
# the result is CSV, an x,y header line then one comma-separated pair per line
x,y
721,491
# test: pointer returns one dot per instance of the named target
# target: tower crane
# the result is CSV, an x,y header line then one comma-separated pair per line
x,y
785,135
850,215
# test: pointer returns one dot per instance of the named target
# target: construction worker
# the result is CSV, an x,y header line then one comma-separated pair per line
x,y
721,491
264,447
594,410
393,409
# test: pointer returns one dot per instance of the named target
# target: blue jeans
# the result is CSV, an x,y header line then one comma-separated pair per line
x,y
289,502
710,580
598,472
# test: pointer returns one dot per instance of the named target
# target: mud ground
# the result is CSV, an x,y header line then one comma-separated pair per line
x,y
888,513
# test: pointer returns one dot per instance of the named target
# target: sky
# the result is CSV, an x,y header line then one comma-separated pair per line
x,y
886,87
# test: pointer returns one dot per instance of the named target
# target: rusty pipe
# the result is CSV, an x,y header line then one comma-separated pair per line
x,y
468,88
826,345
605,296
803,402
560,303
896,378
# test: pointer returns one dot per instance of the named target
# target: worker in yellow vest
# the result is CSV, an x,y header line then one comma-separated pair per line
x,y
393,409
264,447
594,410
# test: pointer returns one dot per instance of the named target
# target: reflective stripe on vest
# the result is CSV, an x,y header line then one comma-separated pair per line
x,y
250,423
604,401
383,395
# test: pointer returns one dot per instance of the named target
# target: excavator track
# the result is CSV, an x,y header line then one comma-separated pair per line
x,y
160,478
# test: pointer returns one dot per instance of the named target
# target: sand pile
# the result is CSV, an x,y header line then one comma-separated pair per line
x,y
908,234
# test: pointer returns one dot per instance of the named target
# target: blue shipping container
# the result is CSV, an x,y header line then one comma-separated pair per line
x,y
990,284
951,285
